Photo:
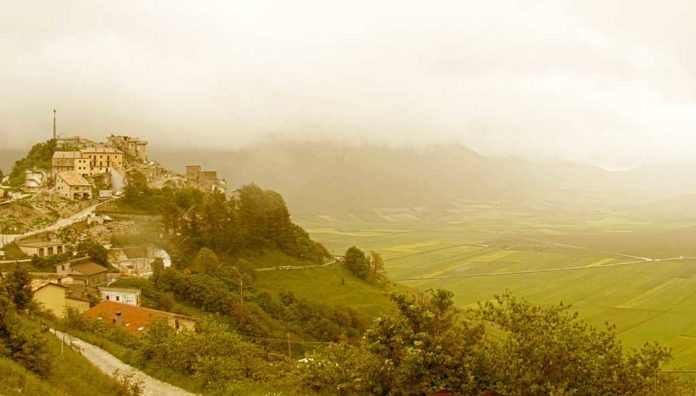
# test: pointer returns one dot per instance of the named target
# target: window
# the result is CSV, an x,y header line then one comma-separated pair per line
x,y
108,297
118,298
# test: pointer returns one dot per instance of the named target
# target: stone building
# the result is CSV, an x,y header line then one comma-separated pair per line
x,y
102,159
41,248
131,145
205,180
83,270
64,161
56,298
121,295
72,186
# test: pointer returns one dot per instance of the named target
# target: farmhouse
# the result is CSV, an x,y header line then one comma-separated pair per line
x,y
136,320
121,295
72,186
83,270
56,298
41,248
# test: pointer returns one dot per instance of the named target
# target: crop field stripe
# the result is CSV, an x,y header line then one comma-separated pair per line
x,y
650,294
431,251
569,246
538,271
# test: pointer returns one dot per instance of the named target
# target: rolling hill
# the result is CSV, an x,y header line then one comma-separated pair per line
x,y
323,178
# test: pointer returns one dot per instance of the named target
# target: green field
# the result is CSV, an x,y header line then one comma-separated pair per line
x,y
639,276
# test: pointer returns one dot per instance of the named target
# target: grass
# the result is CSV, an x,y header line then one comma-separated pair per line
x,y
13,252
478,257
333,285
70,374
274,259
124,354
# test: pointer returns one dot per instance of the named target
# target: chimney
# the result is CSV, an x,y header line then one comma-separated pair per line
x,y
118,317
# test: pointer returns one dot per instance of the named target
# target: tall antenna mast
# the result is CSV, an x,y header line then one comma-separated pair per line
x,y
54,124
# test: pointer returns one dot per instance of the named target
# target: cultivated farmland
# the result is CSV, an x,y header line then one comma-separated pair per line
x,y
639,276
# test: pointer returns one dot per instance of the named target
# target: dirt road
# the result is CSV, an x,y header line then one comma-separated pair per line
x,y
108,364
61,223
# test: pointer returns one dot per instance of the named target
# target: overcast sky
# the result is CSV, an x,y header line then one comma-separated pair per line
x,y
605,82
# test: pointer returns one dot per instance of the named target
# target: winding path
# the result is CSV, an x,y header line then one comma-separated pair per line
x,y
61,223
107,363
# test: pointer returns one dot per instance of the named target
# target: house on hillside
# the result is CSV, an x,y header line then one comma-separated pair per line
x,y
102,159
34,180
72,186
137,260
66,161
84,271
56,298
120,295
136,320
41,248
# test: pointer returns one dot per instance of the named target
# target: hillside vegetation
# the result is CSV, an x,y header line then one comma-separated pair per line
x,y
32,360
39,157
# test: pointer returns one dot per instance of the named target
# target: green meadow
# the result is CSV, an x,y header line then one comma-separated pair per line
x,y
639,276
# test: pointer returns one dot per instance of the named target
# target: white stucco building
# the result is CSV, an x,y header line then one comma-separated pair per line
x,y
120,295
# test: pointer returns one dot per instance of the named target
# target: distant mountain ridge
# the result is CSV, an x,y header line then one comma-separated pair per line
x,y
329,178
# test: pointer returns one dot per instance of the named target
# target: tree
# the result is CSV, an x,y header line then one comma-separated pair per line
x,y
96,251
550,350
205,261
533,350
424,347
17,285
377,272
357,262
40,157
136,190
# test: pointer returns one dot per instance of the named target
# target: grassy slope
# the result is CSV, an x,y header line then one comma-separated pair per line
x,y
647,301
324,285
71,374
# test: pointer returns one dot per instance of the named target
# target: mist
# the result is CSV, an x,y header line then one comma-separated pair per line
x,y
592,82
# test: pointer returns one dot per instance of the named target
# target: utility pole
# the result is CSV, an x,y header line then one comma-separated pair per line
x,y
54,124
241,291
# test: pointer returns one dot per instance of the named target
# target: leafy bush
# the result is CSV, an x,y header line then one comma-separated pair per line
x,y
542,350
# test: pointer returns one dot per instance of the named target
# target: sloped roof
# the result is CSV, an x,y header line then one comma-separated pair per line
x,y
73,179
38,244
67,154
87,268
37,284
135,319
118,289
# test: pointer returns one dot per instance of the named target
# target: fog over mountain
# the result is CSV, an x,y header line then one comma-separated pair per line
x,y
330,178
595,82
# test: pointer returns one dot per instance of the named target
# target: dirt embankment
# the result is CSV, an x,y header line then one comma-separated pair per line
x,y
37,212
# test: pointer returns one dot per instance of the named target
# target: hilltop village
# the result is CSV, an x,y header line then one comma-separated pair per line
x,y
59,218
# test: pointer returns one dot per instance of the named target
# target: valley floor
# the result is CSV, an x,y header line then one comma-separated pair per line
x,y
639,276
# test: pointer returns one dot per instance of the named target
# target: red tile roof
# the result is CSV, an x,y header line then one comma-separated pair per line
x,y
135,319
